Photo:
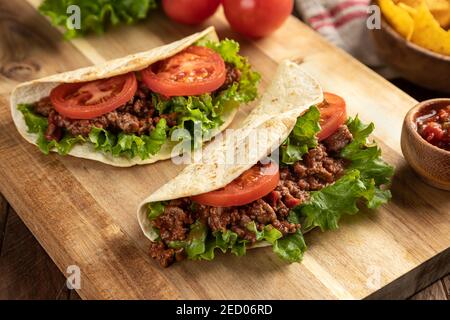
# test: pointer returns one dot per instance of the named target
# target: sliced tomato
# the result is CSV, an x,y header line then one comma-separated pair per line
x,y
252,185
87,100
333,114
194,71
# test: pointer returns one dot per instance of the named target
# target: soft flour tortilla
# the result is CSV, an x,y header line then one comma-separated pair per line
x,y
32,91
291,93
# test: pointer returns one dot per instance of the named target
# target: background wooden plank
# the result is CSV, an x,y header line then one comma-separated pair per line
x,y
3,217
27,272
434,292
73,295
446,283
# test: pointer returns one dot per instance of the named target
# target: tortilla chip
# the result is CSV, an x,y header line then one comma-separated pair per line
x,y
428,33
410,3
411,10
398,18
440,9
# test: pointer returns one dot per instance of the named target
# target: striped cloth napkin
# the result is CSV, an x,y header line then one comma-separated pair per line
x,y
343,23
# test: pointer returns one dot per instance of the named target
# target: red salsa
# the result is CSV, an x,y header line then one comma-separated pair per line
x,y
433,125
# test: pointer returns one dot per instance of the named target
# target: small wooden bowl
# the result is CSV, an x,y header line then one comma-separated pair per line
x,y
419,65
431,163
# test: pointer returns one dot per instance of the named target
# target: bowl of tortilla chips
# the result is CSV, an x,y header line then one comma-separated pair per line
x,y
414,39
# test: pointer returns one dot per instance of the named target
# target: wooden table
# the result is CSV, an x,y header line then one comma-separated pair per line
x,y
63,203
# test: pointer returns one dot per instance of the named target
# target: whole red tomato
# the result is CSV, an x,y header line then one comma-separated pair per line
x,y
257,18
190,11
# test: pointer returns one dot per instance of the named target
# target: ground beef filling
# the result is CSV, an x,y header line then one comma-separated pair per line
x,y
318,168
233,75
337,141
137,116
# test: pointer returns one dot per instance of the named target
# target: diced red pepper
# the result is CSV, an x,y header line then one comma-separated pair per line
x,y
291,201
273,198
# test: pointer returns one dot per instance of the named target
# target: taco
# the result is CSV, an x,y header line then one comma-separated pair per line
x,y
322,167
124,112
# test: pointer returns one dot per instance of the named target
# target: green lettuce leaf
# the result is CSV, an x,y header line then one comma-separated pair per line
x,y
38,125
229,240
291,247
194,112
246,90
302,138
196,240
365,179
326,206
269,233
365,156
223,241
96,15
195,244
155,209
129,145
35,123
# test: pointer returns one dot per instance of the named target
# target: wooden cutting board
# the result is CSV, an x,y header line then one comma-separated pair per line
x,y
83,212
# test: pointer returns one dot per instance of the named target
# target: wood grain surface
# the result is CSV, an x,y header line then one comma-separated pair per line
x,y
83,213
436,291
26,271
